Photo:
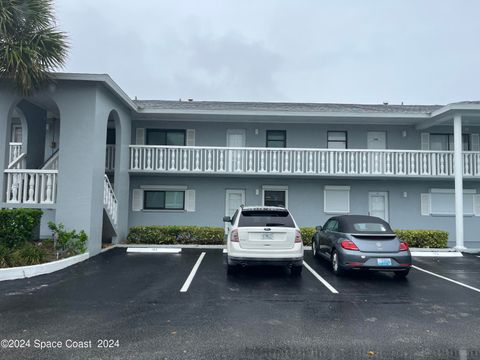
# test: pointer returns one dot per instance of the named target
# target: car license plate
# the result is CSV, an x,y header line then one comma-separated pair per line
x,y
267,236
384,262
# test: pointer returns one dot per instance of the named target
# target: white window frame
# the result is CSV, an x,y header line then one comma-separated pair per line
x,y
275,188
327,188
165,188
472,192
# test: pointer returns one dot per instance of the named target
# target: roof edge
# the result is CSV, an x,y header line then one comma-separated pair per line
x,y
103,78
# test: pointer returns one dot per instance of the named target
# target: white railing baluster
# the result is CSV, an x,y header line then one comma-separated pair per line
x,y
285,161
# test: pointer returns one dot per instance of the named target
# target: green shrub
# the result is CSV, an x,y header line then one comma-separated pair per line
x,y
200,235
171,234
17,225
424,238
68,243
307,234
5,256
27,254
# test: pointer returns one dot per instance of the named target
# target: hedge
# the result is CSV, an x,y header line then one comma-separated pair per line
x,y
307,235
424,238
207,235
202,235
17,226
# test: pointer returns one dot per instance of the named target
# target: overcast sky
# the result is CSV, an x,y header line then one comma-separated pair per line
x,y
358,51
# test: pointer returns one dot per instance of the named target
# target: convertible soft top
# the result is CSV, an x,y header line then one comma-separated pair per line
x,y
352,224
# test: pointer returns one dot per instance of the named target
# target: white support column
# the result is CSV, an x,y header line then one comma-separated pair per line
x,y
458,171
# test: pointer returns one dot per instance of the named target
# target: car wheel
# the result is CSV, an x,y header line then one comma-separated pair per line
x,y
401,274
314,248
296,270
336,267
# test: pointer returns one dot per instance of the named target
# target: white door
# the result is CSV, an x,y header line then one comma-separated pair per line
x,y
376,140
378,205
233,200
235,138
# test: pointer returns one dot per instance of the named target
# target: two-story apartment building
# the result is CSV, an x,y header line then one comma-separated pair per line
x,y
94,159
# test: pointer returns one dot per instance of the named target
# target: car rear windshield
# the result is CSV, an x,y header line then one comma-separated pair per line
x,y
371,227
266,218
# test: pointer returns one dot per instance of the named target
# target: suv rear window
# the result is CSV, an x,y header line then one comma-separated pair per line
x,y
266,218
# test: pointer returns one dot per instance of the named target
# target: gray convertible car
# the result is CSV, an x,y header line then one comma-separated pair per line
x,y
361,242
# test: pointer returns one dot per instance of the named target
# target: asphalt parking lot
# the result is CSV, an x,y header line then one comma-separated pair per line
x,y
147,303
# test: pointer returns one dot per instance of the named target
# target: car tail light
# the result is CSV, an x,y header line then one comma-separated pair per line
x,y
348,245
234,236
298,236
403,246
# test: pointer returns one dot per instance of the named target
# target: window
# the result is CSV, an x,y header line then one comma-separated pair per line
x,y
336,199
337,139
442,202
369,227
163,200
165,137
444,142
276,138
332,225
266,218
274,195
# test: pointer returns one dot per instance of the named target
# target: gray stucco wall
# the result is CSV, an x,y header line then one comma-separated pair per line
x,y
299,135
305,200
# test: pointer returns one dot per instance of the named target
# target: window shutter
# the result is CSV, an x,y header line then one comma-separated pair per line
x,y
137,200
140,136
425,204
475,142
425,139
190,200
476,205
190,137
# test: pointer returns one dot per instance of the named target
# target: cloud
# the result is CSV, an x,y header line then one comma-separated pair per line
x,y
322,51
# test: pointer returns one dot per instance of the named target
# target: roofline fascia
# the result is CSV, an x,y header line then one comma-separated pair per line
x,y
336,114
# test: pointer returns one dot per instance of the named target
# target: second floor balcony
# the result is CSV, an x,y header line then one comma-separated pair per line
x,y
299,162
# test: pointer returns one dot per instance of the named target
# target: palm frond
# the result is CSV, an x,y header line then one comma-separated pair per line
x,y
30,45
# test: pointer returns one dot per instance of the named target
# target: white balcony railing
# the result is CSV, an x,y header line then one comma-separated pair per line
x,y
31,186
110,202
110,158
15,151
320,162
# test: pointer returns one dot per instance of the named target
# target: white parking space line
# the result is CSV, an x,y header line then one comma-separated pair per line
x,y
145,250
322,280
190,277
448,279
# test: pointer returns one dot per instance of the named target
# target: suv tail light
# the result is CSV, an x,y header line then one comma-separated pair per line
x,y
403,246
234,236
298,236
348,245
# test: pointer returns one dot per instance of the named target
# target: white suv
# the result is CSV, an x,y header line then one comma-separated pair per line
x,y
265,235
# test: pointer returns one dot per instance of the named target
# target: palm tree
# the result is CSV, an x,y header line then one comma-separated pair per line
x,y
30,44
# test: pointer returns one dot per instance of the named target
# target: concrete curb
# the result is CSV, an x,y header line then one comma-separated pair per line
x,y
23,272
171,246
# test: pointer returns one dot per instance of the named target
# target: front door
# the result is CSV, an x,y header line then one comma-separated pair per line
x,y
377,140
236,139
233,200
378,205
